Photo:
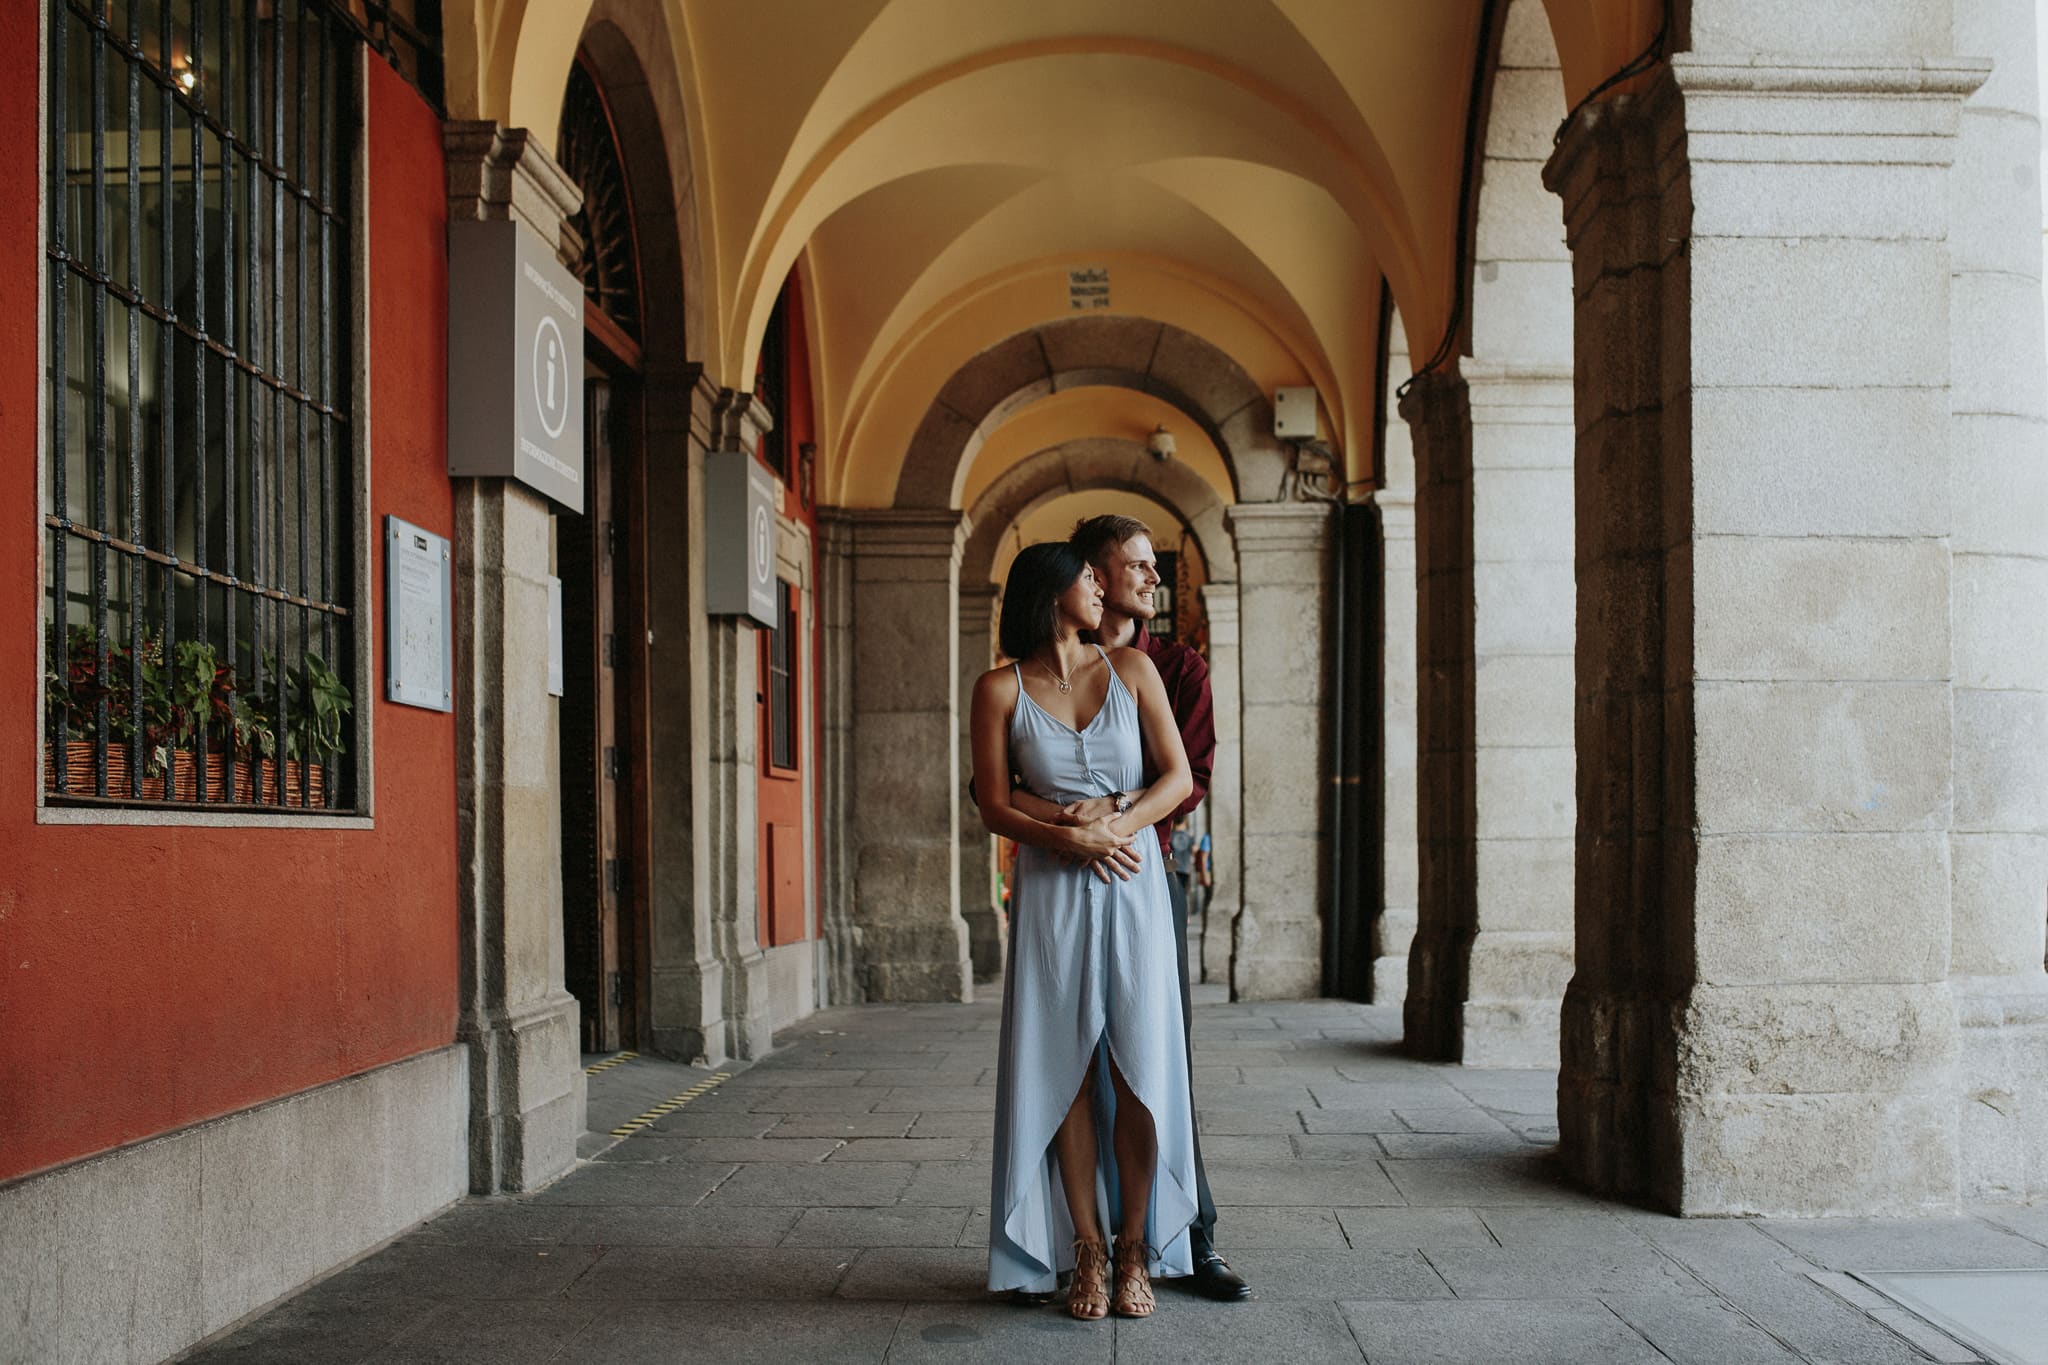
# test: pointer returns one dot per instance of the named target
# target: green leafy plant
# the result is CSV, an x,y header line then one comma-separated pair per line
x,y
191,694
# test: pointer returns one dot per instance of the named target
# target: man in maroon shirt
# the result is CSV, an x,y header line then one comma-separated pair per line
x,y
1120,549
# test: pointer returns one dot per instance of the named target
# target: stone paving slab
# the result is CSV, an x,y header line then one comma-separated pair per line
x,y
830,1202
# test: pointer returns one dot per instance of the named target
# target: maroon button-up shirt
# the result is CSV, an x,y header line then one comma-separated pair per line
x,y
1186,675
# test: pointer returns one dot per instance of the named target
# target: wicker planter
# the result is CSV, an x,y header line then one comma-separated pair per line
x,y
253,782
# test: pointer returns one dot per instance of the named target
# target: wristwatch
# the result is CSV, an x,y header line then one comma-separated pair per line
x,y
1123,801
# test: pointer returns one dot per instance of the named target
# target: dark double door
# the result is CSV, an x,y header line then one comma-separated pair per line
x,y
603,938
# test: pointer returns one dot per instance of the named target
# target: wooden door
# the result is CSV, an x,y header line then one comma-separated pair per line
x,y
595,941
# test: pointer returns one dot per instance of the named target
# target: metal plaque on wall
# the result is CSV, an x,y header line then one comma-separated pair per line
x,y
739,537
515,360
419,638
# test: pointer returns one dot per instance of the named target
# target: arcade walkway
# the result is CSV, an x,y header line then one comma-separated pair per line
x,y
827,1204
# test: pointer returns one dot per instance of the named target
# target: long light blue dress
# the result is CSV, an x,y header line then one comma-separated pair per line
x,y
1091,973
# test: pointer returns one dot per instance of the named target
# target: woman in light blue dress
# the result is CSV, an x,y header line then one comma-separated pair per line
x,y
1092,1044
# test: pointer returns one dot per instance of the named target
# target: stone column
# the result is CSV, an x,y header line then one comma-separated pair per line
x,y
1525,617
1400,861
903,830
1998,585
1225,803
1761,1021
835,613
729,806
1283,557
986,939
520,1024
1440,428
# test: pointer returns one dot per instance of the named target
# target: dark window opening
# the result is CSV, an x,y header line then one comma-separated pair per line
x,y
197,496
782,692
771,385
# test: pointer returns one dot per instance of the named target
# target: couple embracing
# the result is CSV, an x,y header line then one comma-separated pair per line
x,y
1089,743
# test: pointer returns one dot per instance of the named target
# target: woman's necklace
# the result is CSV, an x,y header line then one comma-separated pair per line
x,y
1063,684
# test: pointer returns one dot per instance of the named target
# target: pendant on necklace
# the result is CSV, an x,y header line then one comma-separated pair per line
x,y
1062,684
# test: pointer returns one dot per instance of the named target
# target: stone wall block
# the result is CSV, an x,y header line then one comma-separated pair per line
x,y
1523,700
1529,967
1821,908
1522,308
1524,794
1527,104
1996,647
2005,875
1776,462
1517,1034
1280,784
1818,292
1890,1038
1526,514
1823,609
2004,733
1518,222
1997,204
2001,452
1802,199
1527,885
1792,756
1525,41
2004,377
1291,674
2000,29
1522,607
1816,1155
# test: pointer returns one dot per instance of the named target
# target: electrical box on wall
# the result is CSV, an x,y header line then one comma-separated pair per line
x,y
739,537
1294,414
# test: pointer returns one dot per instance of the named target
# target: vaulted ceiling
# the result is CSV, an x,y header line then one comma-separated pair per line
x,y
1246,170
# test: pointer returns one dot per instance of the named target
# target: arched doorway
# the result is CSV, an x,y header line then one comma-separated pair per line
x,y
604,913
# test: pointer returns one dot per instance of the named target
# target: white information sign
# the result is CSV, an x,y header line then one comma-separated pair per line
x,y
419,662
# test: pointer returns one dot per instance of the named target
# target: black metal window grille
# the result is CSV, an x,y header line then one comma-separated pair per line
x,y
609,264
405,33
197,496
782,692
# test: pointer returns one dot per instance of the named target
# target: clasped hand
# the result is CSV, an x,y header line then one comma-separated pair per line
x,y
1097,841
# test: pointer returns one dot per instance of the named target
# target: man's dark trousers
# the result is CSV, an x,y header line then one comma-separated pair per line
x,y
1204,1227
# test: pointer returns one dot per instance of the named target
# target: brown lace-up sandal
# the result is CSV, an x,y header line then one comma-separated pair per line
x,y
1088,1291
1133,1285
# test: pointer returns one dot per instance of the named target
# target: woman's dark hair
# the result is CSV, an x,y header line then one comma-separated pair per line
x,y
1038,576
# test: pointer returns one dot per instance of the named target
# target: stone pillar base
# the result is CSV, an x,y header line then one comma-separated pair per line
x,y
917,964
985,942
527,1094
2002,1075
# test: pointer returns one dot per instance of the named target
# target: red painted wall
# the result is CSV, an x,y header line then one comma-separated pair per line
x,y
151,977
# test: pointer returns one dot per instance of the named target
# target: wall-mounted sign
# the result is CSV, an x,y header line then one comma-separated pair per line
x,y
515,361
1088,289
419,644
739,537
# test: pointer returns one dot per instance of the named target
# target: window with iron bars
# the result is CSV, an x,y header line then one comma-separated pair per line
x,y
200,529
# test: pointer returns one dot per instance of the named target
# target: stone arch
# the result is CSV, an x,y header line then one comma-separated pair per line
x,y
1151,357
1082,466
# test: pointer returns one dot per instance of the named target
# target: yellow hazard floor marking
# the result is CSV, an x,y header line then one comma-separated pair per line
x,y
608,1063
670,1105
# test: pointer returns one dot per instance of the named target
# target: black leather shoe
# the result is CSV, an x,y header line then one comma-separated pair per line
x,y
1214,1279
1024,1298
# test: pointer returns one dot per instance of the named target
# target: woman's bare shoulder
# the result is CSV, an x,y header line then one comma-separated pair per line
x,y
1000,681
1131,662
